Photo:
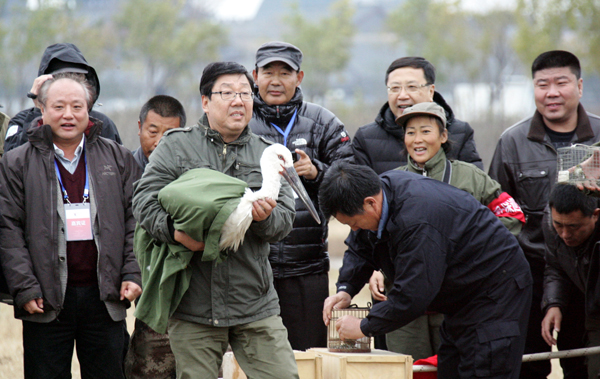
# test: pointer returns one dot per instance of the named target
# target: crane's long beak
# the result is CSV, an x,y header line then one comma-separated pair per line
x,y
292,177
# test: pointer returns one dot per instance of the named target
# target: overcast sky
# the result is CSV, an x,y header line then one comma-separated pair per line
x,y
246,9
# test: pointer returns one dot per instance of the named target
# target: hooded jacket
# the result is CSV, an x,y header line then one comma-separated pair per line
x,y
65,52
304,250
32,241
380,144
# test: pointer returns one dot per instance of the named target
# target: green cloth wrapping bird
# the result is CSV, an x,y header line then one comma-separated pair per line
x,y
199,202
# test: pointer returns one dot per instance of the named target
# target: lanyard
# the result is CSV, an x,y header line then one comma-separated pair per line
x,y
86,190
288,129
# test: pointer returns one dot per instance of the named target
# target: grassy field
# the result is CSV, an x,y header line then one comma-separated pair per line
x,y
11,348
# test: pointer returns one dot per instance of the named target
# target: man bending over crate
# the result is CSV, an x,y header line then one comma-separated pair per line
x,y
444,252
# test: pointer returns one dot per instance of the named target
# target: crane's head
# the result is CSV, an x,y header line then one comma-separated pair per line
x,y
278,158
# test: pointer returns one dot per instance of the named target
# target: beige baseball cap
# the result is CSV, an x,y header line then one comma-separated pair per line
x,y
422,109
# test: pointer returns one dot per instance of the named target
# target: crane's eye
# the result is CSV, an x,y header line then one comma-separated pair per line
x,y
281,157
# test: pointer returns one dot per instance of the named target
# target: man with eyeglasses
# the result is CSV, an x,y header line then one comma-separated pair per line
x,y
234,301
524,164
300,262
409,81
380,145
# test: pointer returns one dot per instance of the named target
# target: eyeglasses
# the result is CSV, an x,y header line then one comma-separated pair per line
x,y
411,88
230,95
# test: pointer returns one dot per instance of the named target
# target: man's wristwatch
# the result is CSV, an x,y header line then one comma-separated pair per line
x,y
31,95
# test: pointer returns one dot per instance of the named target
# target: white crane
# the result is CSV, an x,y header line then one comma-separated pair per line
x,y
276,161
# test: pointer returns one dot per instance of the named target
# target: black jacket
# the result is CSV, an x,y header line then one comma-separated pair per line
x,y
304,250
571,267
524,164
440,252
380,144
32,247
65,52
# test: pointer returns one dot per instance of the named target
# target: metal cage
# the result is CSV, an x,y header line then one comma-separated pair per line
x,y
578,164
335,343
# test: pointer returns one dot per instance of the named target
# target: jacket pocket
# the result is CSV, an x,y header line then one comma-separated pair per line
x,y
533,188
186,163
495,342
251,174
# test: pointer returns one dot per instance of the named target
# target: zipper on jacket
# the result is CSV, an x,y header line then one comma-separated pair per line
x,y
55,239
224,160
277,107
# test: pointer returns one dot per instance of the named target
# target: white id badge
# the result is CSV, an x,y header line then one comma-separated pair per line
x,y
79,222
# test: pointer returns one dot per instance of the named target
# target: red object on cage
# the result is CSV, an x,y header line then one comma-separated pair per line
x,y
431,361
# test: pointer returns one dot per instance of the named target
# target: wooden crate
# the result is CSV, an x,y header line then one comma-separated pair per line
x,y
309,366
374,365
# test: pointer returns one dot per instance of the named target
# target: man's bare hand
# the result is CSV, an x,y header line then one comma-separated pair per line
x,y
376,286
348,328
305,167
550,323
591,170
261,209
130,291
35,306
340,300
187,241
37,84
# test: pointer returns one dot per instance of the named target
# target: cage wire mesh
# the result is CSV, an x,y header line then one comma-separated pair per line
x,y
578,164
335,343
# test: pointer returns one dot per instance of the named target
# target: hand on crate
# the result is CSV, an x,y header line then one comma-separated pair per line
x,y
338,301
348,327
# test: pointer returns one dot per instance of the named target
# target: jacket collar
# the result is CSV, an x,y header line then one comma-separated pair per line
x,y
583,130
439,99
40,135
434,168
277,114
387,120
140,158
213,134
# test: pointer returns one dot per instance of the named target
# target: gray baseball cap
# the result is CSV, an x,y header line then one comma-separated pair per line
x,y
277,51
422,109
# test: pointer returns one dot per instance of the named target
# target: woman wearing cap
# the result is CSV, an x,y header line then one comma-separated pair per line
x,y
426,140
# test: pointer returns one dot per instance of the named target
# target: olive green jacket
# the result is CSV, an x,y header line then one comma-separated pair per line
x,y
240,289
467,177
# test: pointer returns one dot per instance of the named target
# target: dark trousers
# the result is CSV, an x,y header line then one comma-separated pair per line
x,y
571,335
485,339
48,347
301,301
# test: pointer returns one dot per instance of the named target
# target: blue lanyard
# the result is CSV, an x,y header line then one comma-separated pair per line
x,y
86,190
288,129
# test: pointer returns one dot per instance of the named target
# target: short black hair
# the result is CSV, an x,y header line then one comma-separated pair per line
x,y
345,187
164,106
414,62
556,59
214,70
566,198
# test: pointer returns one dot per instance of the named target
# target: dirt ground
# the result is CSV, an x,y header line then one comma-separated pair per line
x,y
11,348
